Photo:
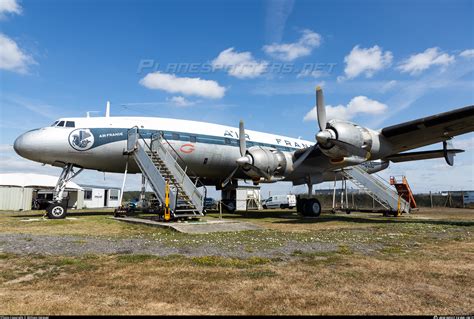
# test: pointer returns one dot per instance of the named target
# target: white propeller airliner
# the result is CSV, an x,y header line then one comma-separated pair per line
x,y
220,155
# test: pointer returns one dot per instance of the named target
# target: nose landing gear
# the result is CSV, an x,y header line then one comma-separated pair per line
x,y
57,208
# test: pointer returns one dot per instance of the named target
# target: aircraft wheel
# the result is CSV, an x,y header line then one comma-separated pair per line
x,y
229,207
56,211
312,208
300,206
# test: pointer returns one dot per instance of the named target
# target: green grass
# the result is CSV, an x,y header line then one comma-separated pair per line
x,y
135,258
357,229
212,261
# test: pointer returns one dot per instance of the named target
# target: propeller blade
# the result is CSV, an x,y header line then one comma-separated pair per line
x,y
242,140
320,108
229,178
353,150
303,156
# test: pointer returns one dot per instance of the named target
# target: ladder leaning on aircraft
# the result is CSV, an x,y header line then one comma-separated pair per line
x,y
222,155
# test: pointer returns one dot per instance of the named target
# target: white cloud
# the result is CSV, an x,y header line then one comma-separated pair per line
x,y
9,6
366,61
291,51
240,65
180,101
277,12
187,86
467,54
417,63
12,58
409,91
358,105
388,86
6,148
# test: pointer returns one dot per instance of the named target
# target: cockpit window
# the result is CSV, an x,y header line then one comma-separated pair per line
x,y
54,124
70,124
61,123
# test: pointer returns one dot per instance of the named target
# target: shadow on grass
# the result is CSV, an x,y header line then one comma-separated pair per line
x,y
290,217
69,214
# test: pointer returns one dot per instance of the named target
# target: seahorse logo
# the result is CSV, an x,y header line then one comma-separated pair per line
x,y
81,139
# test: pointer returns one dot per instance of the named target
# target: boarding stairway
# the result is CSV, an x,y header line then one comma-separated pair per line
x,y
158,161
404,190
377,188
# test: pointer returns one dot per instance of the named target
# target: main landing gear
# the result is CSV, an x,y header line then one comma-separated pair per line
x,y
308,207
57,208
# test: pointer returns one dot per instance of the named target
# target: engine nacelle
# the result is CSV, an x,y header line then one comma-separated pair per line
x,y
267,164
348,133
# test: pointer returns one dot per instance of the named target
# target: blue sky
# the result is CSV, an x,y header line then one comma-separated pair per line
x,y
400,59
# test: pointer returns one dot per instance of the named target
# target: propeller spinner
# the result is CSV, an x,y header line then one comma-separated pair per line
x,y
327,135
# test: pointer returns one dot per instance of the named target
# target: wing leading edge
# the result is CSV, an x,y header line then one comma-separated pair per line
x,y
430,130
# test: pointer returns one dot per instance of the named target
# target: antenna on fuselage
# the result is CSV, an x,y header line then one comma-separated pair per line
x,y
107,109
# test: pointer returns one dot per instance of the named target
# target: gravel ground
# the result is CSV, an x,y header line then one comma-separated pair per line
x,y
80,245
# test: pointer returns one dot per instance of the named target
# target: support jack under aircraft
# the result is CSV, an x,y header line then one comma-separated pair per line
x,y
211,154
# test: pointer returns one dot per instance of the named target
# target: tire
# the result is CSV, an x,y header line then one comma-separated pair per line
x,y
56,211
229,207
300,206
312,208
264,206
282,206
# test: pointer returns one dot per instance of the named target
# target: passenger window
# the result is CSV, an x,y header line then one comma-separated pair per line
x,y
192,139
175,136
227,141
61,123
70,124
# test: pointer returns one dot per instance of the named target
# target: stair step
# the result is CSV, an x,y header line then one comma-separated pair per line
x,y
376,187
165,163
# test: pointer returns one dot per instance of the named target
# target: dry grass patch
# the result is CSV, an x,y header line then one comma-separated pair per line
x,y
435,280
422,267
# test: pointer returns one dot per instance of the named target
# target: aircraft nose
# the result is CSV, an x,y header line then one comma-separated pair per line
x,y
24,145
18,146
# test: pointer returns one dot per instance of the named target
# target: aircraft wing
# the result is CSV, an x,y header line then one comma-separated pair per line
x,y
430,130
423,155
403,137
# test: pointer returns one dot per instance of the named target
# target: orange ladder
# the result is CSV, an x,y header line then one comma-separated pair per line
x,y
404,190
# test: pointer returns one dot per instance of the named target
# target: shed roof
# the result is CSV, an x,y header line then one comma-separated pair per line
x,y
33,180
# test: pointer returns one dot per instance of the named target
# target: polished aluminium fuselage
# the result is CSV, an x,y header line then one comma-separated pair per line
x,y
209,150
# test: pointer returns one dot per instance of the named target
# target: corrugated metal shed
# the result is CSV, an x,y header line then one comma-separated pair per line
x,y
15,198
16,189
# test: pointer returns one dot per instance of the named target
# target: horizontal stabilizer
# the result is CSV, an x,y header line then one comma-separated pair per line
x,y
416,156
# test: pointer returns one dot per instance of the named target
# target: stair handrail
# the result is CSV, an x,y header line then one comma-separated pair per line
x,y
378,179
382,183
186,168
136,129
141,137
